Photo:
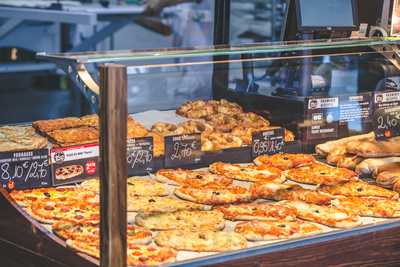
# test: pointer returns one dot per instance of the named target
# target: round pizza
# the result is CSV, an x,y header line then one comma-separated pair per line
x,y
249,173
359,189
369,207
260,211
320,174
191,178
327,215
280,192
28,197
194,220
68,172
285,161
201,241
161,205
90,232
276,229
146,187
75,211
214,195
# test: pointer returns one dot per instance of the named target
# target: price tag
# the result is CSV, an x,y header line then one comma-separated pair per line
x,y
23,170
182,150
268,142
387,122
140,155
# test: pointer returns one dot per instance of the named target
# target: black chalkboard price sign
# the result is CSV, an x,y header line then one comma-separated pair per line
x,y
140,155
182,150
23,170
386,122
268,142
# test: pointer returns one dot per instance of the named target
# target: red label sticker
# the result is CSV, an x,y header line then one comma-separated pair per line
x,y
90,167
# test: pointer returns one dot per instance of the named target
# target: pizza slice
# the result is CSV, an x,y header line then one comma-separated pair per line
x,y
191,178
215,195
280,192
259,211
161,205
359,189
250,173
327,215
285,161
369,207
276,229
193,220
318,173
201,241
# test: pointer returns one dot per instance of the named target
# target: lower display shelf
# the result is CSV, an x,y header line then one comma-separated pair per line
x,y
32,244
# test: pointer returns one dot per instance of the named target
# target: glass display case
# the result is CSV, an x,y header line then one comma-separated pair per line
x,y
278,140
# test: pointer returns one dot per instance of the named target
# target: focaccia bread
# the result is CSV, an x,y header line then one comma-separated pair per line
x,y
327,215
259,211
215,195
359,189
326,148
280,192
250,173
46,126
374,148
285,161
161,205
189,220
215,141
275,229
369,207
20,138
201,241
74,136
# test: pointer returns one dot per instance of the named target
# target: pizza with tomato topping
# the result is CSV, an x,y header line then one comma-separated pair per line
x,y
285,161
276,229
249,173
320,174
75,211
259,211
280,192
191,178
369,207
327,215
359,189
